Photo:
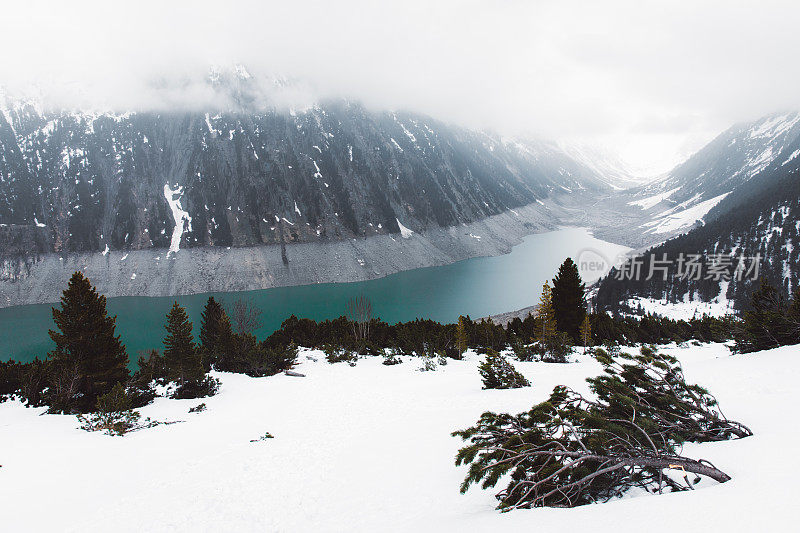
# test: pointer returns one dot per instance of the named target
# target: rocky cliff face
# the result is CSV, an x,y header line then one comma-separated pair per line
x,y
79,188
91,182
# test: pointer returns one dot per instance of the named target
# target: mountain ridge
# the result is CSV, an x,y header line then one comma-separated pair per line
x,y
758,217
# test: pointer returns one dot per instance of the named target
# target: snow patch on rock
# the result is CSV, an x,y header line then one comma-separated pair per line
x,y
181,217
671,221
404,231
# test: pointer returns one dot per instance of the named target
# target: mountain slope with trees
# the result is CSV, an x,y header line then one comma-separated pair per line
x,y
759,218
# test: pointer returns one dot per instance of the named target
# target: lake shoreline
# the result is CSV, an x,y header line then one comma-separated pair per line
x,y
477,286
156,273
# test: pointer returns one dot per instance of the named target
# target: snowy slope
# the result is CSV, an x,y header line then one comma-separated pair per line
x,y
368,449
690,307
614,172
759,218
676,218
688,192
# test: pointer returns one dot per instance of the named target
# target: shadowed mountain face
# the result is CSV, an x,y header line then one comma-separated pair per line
x,y
81,182
732,159
760,217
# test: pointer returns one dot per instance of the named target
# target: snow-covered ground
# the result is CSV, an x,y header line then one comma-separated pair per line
x,y
687,309
675,219
368,448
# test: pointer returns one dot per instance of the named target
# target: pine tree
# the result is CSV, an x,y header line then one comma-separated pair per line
x,y
545,314
209,324
569,303
764,325
181,355
791,330
572,450
216,333
462,337
586,332
89,359
497,373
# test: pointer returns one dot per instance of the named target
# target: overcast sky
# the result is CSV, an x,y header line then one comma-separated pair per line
x,y
653,81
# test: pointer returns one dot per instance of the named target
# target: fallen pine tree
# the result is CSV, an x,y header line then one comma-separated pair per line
x,y
570,450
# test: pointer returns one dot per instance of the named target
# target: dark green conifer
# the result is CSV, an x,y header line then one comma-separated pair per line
x,y
210,320
497,373
181,355
89,358
569,303
216,333
764,324
462,336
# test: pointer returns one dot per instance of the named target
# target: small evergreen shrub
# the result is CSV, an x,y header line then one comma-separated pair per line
x,y
10,378
204,388
246,355
265,436
139,391
114,413
334,354
152,367
199,408
557,348
428,363
389,358
524,352
498,373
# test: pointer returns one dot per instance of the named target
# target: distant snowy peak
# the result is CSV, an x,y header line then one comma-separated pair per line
x,y
734,157
691,190
758,218
576,169
611,169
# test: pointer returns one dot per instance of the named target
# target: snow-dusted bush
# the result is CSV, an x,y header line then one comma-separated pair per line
x,y
114,414
199,408
498,373
389,358
428,363
335,354
523,351
208,386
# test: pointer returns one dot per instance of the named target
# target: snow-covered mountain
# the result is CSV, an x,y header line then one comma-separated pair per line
x,y
682,198
759,216
246,174
612,170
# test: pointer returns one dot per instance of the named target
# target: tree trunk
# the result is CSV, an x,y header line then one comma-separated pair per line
x,y
679,463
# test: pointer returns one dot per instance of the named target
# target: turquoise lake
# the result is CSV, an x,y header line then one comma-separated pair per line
x,y
478,287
